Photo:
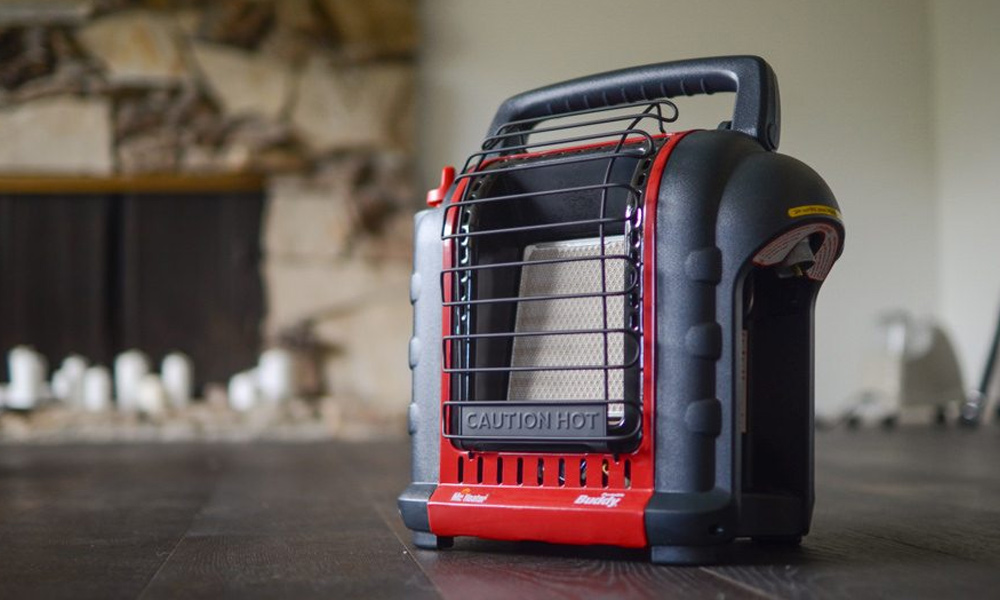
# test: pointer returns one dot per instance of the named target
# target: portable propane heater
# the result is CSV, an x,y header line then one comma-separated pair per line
x,y
613,324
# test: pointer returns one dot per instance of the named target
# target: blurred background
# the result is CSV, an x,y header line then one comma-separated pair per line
x,y
223,191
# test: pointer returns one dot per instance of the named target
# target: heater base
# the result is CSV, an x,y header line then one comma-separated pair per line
x,y
688,555
429,541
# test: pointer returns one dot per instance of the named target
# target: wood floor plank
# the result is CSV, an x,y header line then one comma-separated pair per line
x,y
87,522
908,513
289,520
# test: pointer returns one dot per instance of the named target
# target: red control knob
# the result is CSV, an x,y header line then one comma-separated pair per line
x,y
436,196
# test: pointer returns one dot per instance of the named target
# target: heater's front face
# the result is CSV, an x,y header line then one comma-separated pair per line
x,y
546,400
543,296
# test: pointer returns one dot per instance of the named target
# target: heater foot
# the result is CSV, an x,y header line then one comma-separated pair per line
x,y
686,555
429,541
778,540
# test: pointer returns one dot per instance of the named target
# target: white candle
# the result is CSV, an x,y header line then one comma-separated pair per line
x,y
27,378
96,389
243,391
151,397
60,386
130,367
72,370
178,378
277,374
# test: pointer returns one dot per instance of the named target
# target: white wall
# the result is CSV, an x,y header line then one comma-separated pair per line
x,y
967,76
856,105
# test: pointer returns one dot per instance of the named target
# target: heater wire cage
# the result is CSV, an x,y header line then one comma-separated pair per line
x,y
581,359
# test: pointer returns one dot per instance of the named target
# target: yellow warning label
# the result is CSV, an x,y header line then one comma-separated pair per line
x,y
813,209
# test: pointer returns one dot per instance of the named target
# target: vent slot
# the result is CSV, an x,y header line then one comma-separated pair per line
x,y
582,471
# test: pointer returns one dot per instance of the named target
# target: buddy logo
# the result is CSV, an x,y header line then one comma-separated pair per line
x,y
607,499
468,497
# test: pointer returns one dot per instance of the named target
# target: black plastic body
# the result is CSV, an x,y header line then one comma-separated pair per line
x,y
733,453
723,198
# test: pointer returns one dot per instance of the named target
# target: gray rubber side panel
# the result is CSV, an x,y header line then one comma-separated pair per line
x,y
425,363
413,506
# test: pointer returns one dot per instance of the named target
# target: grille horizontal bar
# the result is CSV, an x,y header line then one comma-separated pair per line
x,y
522,263
542,333
524,228
534,195
548,297
605,367
646,139
648,105
546,161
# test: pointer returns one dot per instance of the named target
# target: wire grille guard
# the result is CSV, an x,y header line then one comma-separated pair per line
x,y
541,285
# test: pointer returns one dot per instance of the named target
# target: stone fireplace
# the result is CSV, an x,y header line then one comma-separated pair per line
x,y
289,122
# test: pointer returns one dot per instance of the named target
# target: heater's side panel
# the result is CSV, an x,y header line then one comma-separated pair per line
x,y
772,203
723,202
425,363
693,507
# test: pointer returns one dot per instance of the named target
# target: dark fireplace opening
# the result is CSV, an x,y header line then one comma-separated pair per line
x,y
101,272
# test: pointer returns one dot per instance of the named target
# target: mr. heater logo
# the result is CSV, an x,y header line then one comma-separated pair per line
x,y
468,497
607,499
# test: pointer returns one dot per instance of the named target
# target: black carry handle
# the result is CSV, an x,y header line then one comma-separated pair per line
x,y
757,112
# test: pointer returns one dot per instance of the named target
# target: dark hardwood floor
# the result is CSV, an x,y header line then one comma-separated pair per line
x,y
908,514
